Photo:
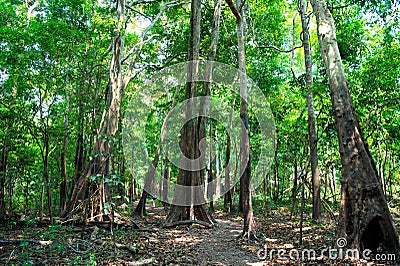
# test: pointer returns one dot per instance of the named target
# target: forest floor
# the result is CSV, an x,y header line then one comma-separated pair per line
x,y
184,245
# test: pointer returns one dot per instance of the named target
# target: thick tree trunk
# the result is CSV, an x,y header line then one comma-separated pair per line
x,y
312,132
364,221
90,192
190,136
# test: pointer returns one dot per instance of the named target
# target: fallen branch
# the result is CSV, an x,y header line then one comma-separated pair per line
x,y
4,242
188,222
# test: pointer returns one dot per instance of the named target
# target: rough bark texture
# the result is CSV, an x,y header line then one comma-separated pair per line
x,y
365,220
190,133
312,132
89,196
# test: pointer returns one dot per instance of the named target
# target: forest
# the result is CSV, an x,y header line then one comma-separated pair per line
x,y
200,132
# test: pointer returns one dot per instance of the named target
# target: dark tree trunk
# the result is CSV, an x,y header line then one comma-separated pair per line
x,y
228,202
364,220
140,209
312,132
80,149
63,186
295,187
3,168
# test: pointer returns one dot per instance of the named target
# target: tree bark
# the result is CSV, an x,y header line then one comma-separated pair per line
x,y
91,195
364,220
245,162
190,136
312,132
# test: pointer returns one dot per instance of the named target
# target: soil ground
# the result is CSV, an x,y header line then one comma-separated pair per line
x,y
183,245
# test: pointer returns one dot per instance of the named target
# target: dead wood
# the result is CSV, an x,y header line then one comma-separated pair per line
x,y
4,242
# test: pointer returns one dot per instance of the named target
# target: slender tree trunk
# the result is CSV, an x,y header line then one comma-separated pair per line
x,y
10,193
3,168
364,220
245,162
295,187
63,186
165,182
47,176
312,132
228,202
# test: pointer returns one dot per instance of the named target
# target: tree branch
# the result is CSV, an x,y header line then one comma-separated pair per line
x,y
234,10
279,49
242,5
139,2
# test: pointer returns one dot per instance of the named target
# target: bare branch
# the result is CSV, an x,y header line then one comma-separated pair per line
x,y
242,5
279,49
137,11
139,2
137,49
167,61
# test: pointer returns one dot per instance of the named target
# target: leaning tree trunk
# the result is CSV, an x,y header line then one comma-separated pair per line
x,y
190,134
90,192
365,221
312,132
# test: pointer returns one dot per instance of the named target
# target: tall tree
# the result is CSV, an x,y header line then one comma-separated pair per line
x,y
365,220
190,134
245,162
96,193
312,132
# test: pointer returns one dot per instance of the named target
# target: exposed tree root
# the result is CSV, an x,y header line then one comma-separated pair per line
x,y
188,222
248,236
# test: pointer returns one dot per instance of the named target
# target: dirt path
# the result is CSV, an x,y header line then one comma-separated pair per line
x,y
221,247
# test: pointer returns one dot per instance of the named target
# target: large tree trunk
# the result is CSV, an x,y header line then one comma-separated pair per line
x,y
190,135
364,221
312,132
90,192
